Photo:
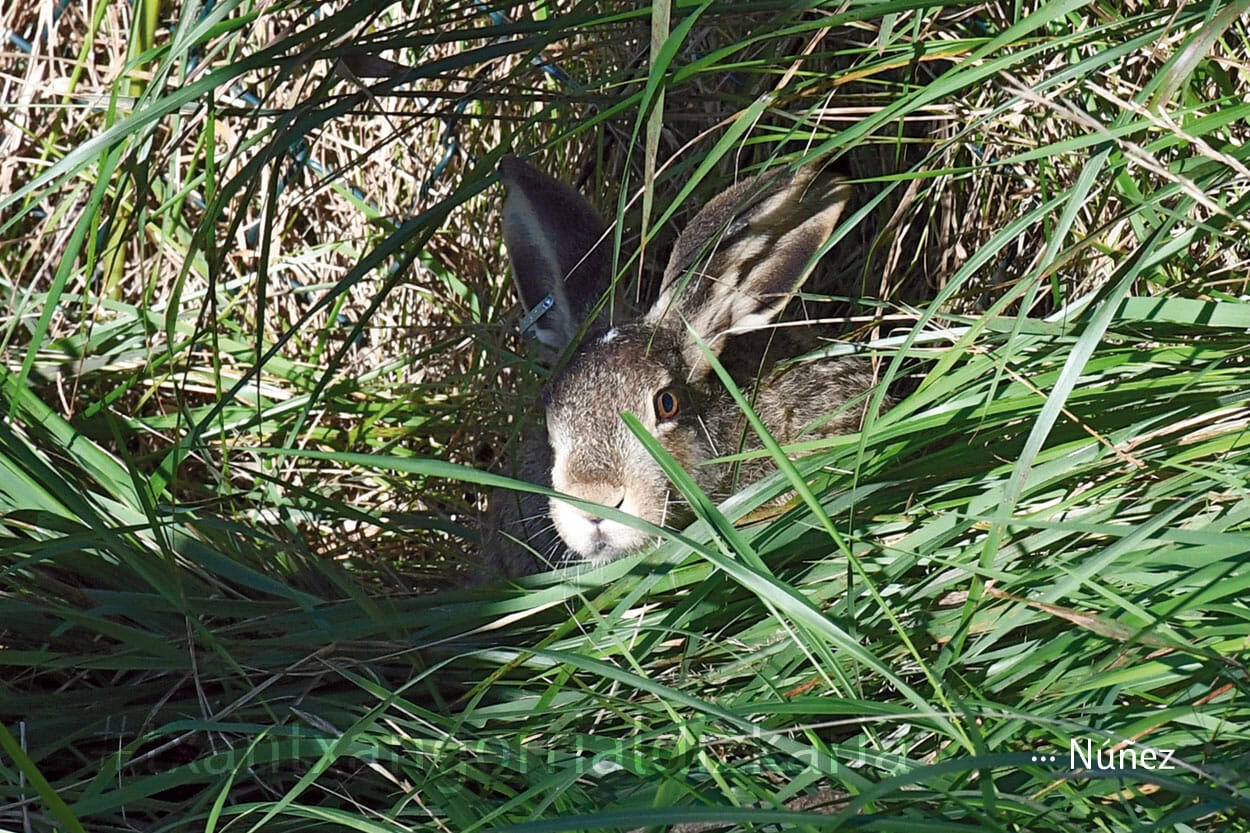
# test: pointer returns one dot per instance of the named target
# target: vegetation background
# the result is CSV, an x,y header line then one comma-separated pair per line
x,y
260,368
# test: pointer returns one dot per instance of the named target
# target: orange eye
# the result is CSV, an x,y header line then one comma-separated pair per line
x,y
666,404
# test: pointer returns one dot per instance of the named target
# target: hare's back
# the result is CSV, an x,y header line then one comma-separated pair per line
x,y
817,399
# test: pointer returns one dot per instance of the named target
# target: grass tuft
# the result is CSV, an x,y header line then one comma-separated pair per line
x,y
260,370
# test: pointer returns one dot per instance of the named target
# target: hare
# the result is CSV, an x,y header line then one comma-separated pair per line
x,y
733,269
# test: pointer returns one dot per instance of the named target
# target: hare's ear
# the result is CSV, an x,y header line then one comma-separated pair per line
x,y
560,251
744,254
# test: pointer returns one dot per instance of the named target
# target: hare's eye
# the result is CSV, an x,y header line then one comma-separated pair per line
x,y
666,404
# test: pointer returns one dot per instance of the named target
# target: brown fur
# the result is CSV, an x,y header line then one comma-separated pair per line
x,y
734,267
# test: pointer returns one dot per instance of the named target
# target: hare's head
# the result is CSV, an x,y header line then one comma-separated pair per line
x,y
732,270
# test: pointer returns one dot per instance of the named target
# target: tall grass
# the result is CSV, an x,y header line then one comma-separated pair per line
x,y
258,368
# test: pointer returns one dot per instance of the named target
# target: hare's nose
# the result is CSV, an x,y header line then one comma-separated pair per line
x,y
614,498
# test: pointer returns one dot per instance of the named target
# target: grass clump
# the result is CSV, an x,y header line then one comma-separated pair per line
x,y
258,369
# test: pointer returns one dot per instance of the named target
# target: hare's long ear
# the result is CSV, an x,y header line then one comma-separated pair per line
x,y
560,252
745,253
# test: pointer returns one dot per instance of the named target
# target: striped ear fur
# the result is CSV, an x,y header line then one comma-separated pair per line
x,y
744,254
